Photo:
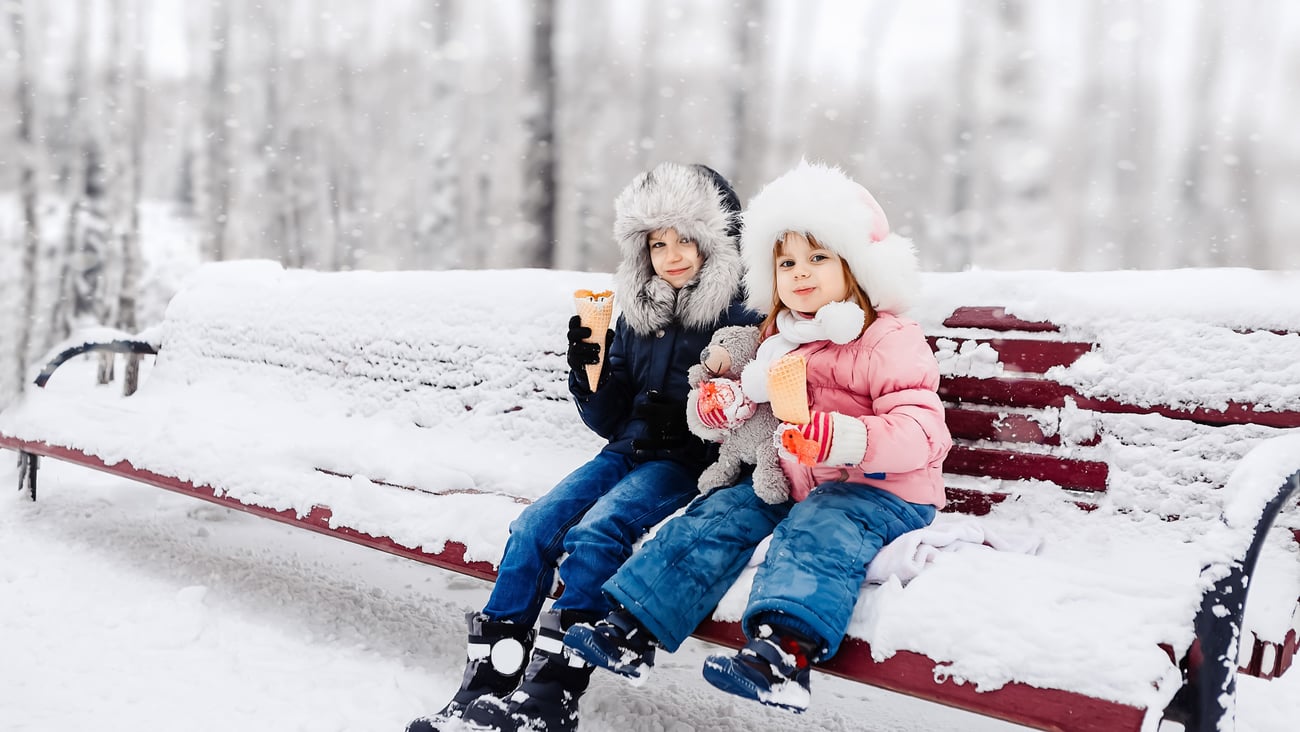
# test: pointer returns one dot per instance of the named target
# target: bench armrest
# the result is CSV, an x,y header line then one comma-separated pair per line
x,y
1263,483
126,346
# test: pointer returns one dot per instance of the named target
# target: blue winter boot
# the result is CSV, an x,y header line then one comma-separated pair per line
x,y
773,669
493,667
618,643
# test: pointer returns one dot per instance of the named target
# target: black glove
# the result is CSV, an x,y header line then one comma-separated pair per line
x,y
665,423
582,353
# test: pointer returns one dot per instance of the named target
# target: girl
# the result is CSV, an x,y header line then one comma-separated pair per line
x,y
869,465
679,280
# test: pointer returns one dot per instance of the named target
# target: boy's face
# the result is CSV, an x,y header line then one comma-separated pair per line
x,y
808,277
675,259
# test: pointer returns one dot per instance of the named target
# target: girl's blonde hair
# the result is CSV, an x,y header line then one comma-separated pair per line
x,y
856,293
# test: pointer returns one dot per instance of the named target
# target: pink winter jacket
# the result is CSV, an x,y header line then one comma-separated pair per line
x,y
887,378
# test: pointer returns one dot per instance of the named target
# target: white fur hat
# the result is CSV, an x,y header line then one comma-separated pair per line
x,y
822,201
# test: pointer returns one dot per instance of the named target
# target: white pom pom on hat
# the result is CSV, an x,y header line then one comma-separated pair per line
x,y
843,217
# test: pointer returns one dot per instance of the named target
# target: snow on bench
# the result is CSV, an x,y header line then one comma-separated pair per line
x,y
1105,412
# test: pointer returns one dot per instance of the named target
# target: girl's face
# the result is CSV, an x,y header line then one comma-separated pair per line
x,y
675,259
808,277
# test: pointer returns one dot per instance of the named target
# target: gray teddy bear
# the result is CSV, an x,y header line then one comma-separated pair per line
x,y
751,442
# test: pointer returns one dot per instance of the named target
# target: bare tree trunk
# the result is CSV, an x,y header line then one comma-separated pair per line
x,y
1250,185
64,139
25,104
76,177
648,107
1021,228
437,236
749,28
866,98
131,256
117,174
964,227
278,211
1077,201
590,121
1202,235
217,134
1135,161
540,153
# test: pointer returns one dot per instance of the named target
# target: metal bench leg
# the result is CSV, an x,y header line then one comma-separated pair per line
x,y
28,463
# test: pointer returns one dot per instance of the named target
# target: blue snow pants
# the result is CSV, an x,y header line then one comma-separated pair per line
x,y
594,514
812,574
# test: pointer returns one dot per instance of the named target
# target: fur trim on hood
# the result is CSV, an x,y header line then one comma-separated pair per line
x,y
700,205
822,201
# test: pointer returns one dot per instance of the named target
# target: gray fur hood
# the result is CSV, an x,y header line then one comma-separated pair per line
x,y
700,205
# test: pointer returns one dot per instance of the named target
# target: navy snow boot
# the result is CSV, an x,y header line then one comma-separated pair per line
x,y
547,698
493,668
618,643
773,669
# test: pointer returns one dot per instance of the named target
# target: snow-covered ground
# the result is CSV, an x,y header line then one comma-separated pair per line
x,y
123,607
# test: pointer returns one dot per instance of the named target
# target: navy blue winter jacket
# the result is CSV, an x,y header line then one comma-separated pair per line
x,y
638,365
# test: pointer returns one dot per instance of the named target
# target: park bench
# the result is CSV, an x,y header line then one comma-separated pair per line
x,y
1147,429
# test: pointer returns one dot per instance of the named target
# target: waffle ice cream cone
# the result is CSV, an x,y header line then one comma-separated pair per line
x,y
595,309
787,385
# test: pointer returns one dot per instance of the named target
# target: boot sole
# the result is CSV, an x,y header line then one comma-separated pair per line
x,y
583,644
723,673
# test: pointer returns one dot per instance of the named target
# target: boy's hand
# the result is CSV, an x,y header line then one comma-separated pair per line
x,y
665,423
581,353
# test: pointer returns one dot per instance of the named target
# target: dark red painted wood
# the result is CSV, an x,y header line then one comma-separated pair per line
x,y
1039,393
972,424
914,674
996,318
1031,357
1288,652
1083,475
971,502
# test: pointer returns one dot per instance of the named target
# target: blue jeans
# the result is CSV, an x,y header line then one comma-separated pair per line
x,y
595,515
812,574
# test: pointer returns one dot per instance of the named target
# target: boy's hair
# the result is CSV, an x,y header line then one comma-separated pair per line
x,y
856,293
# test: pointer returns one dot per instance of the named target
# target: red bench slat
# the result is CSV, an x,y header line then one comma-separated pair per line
x,y
971,424
1039,393
1083,475
971,502
996,318
1030,357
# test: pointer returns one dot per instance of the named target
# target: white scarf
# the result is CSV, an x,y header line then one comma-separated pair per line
x,y
837,322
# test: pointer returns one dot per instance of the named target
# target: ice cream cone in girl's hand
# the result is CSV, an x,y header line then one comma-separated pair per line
x,y
787,385
595,309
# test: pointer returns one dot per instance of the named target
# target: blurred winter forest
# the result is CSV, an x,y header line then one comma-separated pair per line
x,y
404,134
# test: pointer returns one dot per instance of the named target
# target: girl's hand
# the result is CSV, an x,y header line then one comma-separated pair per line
x,y
829,438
